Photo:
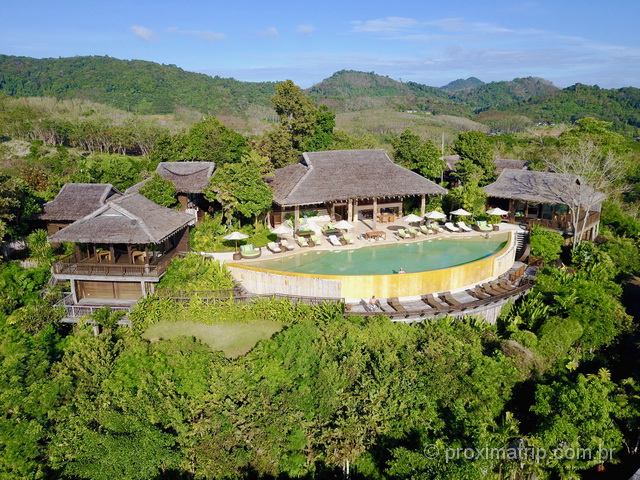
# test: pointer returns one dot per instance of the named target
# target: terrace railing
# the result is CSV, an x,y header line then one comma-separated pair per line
x,y
74,311
71,266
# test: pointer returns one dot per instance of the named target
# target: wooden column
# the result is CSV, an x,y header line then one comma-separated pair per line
x,y
74,294
350,210
112,253
423,204
375,213
333,211
355,211
296,219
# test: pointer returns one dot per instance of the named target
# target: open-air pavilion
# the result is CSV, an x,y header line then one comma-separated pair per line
x,y
553,200
122,248
352,185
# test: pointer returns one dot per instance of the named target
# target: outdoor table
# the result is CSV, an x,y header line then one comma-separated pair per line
x,y
376,234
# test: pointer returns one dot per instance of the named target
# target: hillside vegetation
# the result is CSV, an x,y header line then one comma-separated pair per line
x,y
135,85
150,88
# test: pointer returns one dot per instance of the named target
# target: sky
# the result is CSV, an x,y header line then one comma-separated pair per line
x,y
429,42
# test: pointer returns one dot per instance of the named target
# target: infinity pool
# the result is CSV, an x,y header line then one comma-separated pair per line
x,y
433,254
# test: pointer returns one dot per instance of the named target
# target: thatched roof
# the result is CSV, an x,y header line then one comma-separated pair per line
x,y
500,163
341,175
129,219
543,187
77,200
187,177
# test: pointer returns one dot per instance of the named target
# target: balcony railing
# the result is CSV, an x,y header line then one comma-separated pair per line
x,y
88,267
74,311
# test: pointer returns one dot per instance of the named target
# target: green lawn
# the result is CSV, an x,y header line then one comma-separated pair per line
x,y
233,339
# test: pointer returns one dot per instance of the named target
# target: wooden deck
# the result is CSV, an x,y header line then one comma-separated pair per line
x,y
90,266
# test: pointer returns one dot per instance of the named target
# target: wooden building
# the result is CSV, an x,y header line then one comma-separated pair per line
x,y
122,249
73,202
557,201
190,179
346,184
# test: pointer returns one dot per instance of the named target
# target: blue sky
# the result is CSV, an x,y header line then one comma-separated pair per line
x,y
565,41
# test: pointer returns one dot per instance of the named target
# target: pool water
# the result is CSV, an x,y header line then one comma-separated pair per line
x,y
386,259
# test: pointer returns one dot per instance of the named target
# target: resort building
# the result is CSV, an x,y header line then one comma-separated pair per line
x,y
122,249
347,185
557,201
73,202
190,180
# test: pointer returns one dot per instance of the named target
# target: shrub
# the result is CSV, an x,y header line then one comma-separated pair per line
x,y
545,244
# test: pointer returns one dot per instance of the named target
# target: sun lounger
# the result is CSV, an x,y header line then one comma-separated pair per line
x,y
274,247
249,251
430,300
395,304
413,231
334,241
483,226
347,238
478,293
451,227
315,240
302,241
436,227
284,243
448,297
426,230
402,233
463,226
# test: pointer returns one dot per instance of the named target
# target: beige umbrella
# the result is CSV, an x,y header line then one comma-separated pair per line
x,y
497,212
412,218
236,236
435,215
343,225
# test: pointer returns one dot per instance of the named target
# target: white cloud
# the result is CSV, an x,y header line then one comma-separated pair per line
x,y
305,29
143,33
383,25
271,32
209,36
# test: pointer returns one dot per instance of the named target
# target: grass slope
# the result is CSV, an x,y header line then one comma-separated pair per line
x,y
233,339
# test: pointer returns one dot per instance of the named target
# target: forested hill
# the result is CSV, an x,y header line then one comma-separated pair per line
x,y
133,85
462,84
349,90
618,105
501,94
151,88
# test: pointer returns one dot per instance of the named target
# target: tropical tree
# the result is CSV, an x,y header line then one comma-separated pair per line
x,y
421,157
239,188
476,155
160,190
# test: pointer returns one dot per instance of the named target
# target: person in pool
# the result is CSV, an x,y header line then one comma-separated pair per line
x,y
401,270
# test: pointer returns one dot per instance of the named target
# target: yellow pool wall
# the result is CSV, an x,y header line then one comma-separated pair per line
x,y
264,281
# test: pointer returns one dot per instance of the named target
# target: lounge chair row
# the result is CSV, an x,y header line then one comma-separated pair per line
x,y
412,232
315,240
283,246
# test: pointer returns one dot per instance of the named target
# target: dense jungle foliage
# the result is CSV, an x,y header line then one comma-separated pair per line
x,y
150,88
550,391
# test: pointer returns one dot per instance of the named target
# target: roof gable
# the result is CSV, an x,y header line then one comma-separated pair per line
x,y
339,175
543,187
130,219
188,177
76,200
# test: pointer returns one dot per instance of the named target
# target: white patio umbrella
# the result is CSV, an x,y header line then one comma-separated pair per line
x,y
435,215
497,211
412,218
236,236
311,225
281,229
460,211
343,225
